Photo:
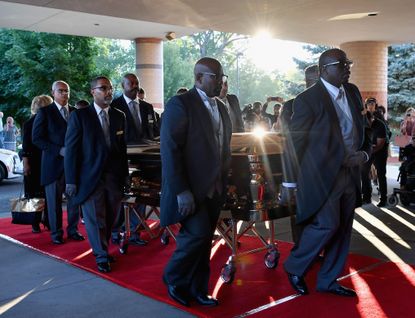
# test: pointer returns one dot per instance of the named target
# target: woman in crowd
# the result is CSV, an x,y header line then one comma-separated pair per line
x,y
32,158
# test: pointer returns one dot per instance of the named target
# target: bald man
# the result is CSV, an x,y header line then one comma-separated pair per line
x,y
195,155
328,137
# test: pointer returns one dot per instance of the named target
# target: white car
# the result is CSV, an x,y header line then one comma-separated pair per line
x,y
10,165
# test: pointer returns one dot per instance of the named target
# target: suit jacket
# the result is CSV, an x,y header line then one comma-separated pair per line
x,y
33,154
319,146
236,116
189,154
149,124
87,155
48,134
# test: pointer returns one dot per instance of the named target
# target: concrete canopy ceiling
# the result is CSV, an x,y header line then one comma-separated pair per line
x,y
329,22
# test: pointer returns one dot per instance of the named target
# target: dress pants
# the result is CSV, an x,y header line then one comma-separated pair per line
x,y
380,160
366,182
100,211
54,193
189,265
329,230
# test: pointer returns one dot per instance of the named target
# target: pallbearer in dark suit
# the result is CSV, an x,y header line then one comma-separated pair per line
x,y
141,126
96,166
232,105
195,157
141,119
48,134
328,136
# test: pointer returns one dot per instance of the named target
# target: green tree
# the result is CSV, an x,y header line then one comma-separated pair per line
x,y
33,61
178,68
401,79
315,51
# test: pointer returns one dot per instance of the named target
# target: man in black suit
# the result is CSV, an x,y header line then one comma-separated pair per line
x,y
195,156
311,77
96,166
141,126
234,110
141,119
328,135
48,134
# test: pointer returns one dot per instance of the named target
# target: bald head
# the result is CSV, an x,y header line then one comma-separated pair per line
x,y
208,74
334,67
130,85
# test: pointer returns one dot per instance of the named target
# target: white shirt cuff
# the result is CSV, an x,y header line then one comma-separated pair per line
x,y
289,184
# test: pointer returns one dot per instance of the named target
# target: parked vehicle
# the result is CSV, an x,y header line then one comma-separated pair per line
x,y
10,165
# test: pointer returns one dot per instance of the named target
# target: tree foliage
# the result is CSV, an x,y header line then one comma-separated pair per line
x,y
401,78
33,61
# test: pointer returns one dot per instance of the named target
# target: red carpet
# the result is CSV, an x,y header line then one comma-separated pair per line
x,y
384,289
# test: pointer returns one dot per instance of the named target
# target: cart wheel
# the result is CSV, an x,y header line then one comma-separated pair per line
x,y
123,248
393,200
271,259
165,238
405,200
227,273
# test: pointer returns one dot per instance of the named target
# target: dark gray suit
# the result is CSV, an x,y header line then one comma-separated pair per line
x,y
48,134
98,172
235,113
191,161
328,190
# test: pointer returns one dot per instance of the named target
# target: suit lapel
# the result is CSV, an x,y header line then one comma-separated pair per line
x,y
96,123
57,114
356,113
204,117
330,108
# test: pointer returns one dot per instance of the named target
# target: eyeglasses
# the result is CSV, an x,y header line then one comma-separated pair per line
x,y
63,91
213,75
104,88
342,64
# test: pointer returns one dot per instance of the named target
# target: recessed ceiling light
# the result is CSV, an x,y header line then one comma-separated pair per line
x,y
354,16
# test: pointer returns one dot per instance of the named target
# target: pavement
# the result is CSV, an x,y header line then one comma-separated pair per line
x,y
35,285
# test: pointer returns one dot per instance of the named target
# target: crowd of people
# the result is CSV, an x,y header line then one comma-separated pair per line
x,y
332,140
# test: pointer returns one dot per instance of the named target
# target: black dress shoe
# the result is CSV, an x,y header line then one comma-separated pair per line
x,y
104,267
77,236
381,204
35,228
178,295
343,291
206,300
137,241
57,241
366,201
298,283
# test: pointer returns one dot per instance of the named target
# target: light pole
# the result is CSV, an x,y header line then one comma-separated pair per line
x,y
238,55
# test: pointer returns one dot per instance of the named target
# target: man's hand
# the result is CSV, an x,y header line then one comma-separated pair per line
x,y
26,166
62,151
287,196
355,159
186,203
70,190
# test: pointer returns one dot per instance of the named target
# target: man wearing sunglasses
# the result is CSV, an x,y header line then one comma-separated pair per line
x,y
48,134
330,141
195,156
96,166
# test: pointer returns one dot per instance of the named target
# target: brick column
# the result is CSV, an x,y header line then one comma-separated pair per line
x,y
370,68
149,69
